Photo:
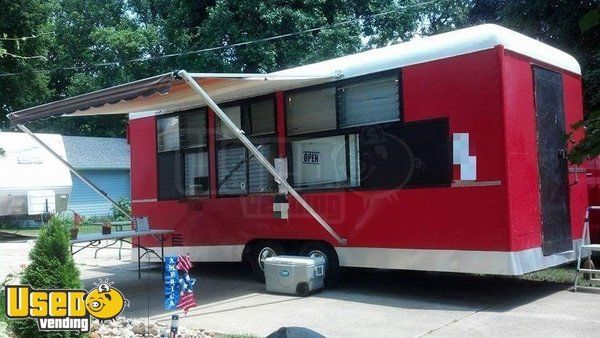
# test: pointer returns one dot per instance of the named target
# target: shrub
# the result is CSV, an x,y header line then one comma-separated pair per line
x,y
51,267
125,204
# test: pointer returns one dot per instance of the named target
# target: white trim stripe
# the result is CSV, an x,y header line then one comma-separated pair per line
x,y
140,115
462,261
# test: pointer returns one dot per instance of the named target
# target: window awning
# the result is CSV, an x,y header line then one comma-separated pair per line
x,y
164,93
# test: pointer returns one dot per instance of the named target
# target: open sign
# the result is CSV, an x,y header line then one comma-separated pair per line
x,y
310,157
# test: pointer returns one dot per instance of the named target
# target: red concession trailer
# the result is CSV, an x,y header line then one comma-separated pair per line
x,y
444,153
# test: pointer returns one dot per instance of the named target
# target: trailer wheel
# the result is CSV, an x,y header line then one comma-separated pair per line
x,y
332,263
261,251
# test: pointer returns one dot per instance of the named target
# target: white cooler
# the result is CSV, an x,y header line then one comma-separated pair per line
x,y
296,275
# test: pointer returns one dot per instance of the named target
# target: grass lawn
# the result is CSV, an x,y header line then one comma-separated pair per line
x,y
33,232
561,274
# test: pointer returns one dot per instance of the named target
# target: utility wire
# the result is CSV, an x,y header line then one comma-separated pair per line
x,y
239,44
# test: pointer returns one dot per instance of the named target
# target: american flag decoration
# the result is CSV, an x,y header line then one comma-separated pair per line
x,y
186,284
184,263
77,219
186,301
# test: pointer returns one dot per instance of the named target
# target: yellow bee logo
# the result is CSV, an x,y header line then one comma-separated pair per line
x,y
105,302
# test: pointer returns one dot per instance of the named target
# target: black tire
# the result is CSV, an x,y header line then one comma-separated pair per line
x,y
332,265
258,249
302,289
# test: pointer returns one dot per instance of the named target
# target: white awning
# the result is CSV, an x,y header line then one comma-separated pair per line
x,y
165,93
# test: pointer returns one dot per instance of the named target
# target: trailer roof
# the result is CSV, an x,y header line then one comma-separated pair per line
x,y
166,93
27,166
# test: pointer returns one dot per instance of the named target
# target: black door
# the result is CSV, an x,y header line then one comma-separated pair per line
x,y
553,165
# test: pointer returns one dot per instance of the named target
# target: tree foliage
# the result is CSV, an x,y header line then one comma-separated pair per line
x,y
51,267
570,25
18,20
91,32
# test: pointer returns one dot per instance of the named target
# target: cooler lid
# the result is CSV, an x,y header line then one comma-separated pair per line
x,y
296,260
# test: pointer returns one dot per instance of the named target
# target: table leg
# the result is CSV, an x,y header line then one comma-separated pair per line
x,y
139,259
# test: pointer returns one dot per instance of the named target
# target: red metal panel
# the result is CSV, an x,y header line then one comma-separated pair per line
x,y
280,118
521,147
212,158
142,140
467,90
578,191
592,172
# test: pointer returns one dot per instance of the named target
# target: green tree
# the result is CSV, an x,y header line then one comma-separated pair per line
x,y
92,32
51,267
570,25
25,34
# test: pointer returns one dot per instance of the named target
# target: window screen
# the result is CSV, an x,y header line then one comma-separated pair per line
x,y
259,179
167,133
169,175
326,162
223,132
193,129
232,169
311,111
262,117
196,174
368,102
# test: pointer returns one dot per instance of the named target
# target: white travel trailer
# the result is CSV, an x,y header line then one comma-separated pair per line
x,y
32,181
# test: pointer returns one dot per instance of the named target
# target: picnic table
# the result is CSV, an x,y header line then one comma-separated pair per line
x,y
95,239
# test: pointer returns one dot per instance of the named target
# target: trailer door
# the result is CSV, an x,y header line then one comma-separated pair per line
x,y
552,161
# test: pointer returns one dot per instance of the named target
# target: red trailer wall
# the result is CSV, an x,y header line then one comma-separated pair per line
x,y
521,146
465,218
468,90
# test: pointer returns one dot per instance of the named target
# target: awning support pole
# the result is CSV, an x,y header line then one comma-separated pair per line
x,y
259,156
74,171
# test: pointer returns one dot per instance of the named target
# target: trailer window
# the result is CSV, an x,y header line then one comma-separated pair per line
x,y
259,179
326,162
182,155
311,111
235,115
232,170
196,173
369,102
261,116
193,129
169,175
167,133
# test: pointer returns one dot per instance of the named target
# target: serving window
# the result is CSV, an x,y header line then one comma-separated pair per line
x,y
322,127
238,171
350,135
182,155
326,162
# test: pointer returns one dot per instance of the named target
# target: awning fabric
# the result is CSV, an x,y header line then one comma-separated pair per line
x,y
142,88
164,93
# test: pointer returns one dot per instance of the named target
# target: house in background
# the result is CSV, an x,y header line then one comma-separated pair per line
x,y
104,161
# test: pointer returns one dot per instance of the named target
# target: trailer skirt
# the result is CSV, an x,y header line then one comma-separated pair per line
x,y
509,263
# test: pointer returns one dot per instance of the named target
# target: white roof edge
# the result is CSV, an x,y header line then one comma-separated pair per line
x,y
142,114
458,42
259,76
